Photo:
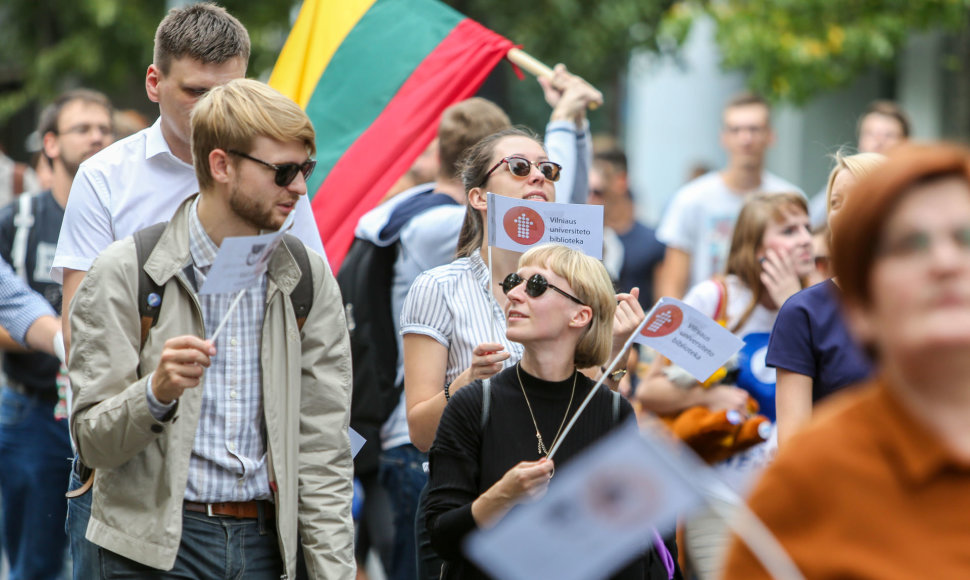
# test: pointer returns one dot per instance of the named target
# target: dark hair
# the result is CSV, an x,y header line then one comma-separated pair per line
x,y
886,109
615,158
204,32
474,165
859,224
464,124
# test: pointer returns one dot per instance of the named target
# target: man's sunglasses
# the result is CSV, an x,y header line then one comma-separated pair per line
x,y
522,167
535,287
285,172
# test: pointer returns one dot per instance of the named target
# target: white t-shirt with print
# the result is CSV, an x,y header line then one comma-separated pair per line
x,y
700,221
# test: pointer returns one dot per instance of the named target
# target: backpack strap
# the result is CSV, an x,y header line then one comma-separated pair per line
x,y
149,293
23,221
302,295
486,401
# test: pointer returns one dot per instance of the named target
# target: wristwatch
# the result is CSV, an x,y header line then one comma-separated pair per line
x,y
616,375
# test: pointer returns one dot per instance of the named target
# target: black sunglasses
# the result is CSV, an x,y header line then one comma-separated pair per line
x,y
522,167
535,287
285,172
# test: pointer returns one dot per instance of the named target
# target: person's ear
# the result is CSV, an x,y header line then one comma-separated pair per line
x,y
52,148
478,198
152,78
219,166
582,317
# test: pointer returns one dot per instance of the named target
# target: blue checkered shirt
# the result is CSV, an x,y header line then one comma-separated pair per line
x,y
228,461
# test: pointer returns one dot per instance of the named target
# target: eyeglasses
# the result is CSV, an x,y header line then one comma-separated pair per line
x,y
535,287
522,167
285,172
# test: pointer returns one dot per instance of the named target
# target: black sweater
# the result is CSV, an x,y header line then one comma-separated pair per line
x,y
466,460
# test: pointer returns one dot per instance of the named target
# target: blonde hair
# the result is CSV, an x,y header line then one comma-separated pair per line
x,y
591,284
859,165
232,115
760,210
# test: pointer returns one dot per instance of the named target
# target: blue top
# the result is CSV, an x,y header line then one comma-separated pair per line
x,y
642,253
36,371
811,338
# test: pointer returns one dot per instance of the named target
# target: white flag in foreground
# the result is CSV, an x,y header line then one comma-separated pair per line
x,y
598,514
688,338
519,224
242,260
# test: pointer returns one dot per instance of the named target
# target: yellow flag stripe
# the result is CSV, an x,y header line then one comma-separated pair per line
x,y
320,28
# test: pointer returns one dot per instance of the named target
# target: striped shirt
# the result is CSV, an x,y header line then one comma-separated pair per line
x,y
228,461
20,306
454,305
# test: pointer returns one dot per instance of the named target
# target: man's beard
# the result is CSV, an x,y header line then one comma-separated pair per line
x,y
250,211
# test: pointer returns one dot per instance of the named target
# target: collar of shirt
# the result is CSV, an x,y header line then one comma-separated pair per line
x,y
155,143
201,246
918,453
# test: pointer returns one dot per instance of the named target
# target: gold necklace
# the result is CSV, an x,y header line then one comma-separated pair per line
x,y
541,446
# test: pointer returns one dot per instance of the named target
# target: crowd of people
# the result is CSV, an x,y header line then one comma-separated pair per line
x,y
156,431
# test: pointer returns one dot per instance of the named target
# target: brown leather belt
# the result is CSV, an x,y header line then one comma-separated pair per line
x,y
233,509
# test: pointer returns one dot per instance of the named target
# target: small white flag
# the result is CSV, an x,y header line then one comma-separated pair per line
x,y
688,338
598,514
519,224
242,260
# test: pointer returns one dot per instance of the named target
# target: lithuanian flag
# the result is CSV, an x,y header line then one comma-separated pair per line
x,y
374,76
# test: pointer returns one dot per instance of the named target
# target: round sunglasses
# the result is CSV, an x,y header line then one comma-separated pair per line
x,y
285,172
535,287
522,167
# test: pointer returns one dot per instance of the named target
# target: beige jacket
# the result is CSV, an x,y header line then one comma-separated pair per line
x,y
142,464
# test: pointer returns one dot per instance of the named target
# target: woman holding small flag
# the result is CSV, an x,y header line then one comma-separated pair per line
x,y
769,261
494,437
452,321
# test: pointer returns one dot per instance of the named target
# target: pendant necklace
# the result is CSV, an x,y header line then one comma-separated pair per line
x,y
540,444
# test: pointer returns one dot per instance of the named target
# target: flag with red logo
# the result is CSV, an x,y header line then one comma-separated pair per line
x,y
688,337
518,224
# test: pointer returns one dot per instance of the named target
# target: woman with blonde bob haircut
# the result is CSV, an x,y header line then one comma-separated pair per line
x,y
491,446
769,261
812,352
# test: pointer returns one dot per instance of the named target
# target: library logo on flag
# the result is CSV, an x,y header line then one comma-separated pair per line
x,y
524,225
665,320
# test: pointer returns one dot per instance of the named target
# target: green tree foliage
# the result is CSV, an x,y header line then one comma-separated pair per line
x,y
49,45
593,38
795,49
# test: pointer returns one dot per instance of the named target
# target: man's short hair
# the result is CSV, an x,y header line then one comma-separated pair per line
x,y
204,32
748,98
614,158
51,115
464,124
231,116
886,109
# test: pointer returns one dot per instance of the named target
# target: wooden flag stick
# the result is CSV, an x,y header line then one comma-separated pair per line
x,y
535,67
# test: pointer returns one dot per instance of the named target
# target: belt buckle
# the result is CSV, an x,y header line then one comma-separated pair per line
x,y
208,510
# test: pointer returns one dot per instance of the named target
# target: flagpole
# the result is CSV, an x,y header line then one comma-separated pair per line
x,y
535,67
592,392
491,316
225,319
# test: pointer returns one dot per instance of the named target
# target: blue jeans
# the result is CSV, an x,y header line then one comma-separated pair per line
x,y
36,453
84,554
402,475
211,547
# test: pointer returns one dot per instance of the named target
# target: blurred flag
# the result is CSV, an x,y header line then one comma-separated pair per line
x,y
374,76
